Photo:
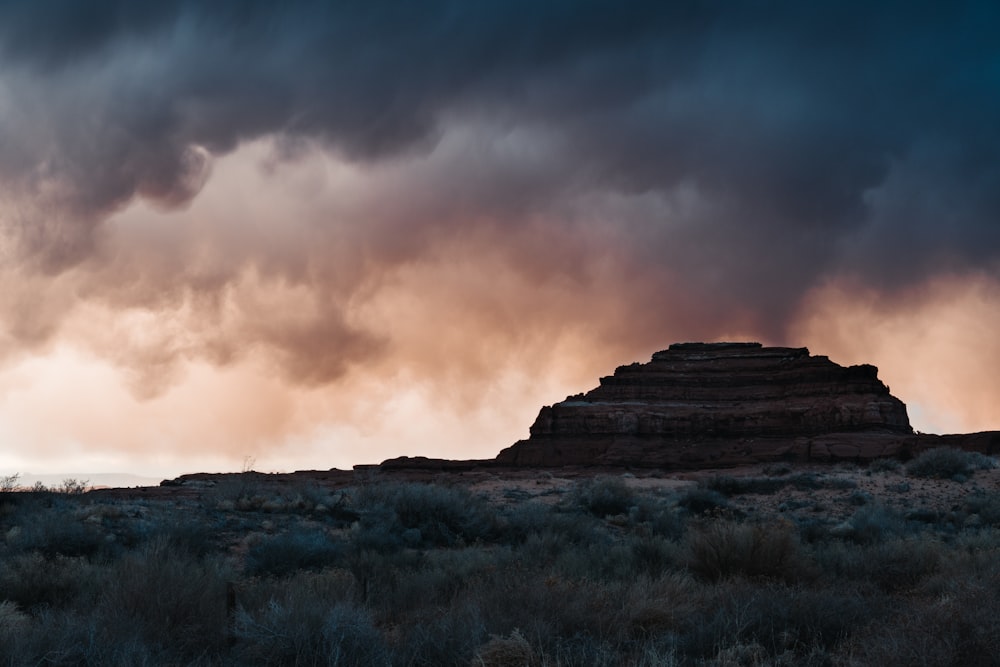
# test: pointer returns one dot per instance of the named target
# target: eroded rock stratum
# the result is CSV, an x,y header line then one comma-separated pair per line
x,y
699,405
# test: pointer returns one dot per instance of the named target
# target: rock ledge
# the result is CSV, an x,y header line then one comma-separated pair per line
x,y
697,405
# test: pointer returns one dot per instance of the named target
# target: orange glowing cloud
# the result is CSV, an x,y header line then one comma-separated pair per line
x,y
935,346
312,314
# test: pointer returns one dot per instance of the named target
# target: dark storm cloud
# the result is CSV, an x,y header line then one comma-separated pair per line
x,y
761,147
370,78
109,100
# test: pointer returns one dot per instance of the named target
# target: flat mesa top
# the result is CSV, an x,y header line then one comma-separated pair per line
x,y
695,351
699,347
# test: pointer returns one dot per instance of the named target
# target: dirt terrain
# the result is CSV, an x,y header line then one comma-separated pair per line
x,y
832,491
771,565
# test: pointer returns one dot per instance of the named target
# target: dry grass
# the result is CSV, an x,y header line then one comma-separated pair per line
x,y
511,651
788,567
723,548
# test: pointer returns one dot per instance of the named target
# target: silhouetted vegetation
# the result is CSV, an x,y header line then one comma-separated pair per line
x,y
948,463
607,572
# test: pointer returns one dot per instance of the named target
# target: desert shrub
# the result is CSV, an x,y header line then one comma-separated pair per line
x,y
657,606
53,637
252,491
544,548
308,632
965,564
17,635
408,581
321,500
559,524
612,562
735,486
165,599
33,581
796,625
871,523
9,483
892,565
306,593
564,533
884,465
583,649
516,494
12,619
256,492
309,495
73,486
812,529
377,575
703,500
547,605
795,504
77,637
655,516
860,498
654,556
296,549
807,481
55,530
624,559
655,653
450,637
149,608
379,532
511,651
777,469
191,536
722,548
983,544
986,506
421,515
958,626
328,586
947,462
576,587
924,515
603,496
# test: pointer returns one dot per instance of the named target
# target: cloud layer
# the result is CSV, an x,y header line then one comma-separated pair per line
x,y
449,209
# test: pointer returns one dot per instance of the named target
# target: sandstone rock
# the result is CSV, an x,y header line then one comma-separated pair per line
x,y
425,463
699,405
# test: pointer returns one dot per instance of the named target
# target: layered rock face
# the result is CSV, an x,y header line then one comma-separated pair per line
x,y
705,404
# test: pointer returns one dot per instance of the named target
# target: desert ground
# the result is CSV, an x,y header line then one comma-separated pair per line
x,y
777,564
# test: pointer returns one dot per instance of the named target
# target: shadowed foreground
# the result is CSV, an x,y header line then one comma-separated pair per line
x,y
886,565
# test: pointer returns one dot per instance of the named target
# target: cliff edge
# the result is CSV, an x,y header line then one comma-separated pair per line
x,y
698,405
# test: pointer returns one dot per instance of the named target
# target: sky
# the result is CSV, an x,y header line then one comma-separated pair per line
x,y
313,234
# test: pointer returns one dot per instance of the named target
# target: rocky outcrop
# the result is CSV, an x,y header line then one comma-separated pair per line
x,y
698,405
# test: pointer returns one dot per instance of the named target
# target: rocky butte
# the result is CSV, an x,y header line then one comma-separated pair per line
x,y
698,405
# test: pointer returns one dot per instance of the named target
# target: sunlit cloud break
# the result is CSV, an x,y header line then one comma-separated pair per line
x,y
320,234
